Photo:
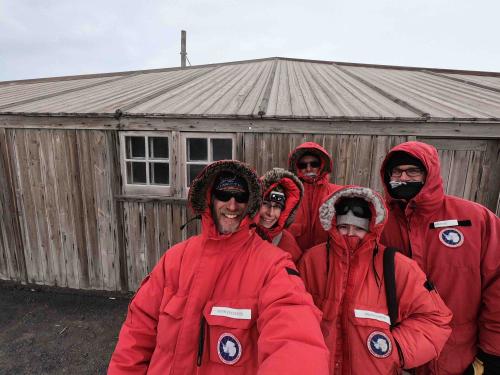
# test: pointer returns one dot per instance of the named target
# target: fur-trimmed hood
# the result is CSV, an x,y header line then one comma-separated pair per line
x,y
201,187
313,149
294,191
327,214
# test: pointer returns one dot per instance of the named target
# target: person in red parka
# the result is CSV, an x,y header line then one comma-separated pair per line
x,y
313,165
345,276
281,195
225,301
456,243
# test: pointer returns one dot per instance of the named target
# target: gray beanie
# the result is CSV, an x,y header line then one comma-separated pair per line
x,y
352,219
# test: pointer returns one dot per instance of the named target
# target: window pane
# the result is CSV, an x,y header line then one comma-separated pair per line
x,y
158,173
222,149
136,147
193,170
197,149
158,147
136,173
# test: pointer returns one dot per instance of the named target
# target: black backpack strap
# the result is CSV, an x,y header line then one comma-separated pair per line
x,y
390,284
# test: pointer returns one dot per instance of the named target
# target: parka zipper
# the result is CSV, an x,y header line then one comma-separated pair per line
x,y
201,341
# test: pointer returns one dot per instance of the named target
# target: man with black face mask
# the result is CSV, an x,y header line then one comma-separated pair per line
x,y
456,243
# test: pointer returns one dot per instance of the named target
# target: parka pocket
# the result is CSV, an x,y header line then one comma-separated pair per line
x,y
232,334
170,320
372,336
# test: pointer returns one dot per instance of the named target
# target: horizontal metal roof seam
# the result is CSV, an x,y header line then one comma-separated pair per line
x,y
264,103
53,95
165,90
246,75
396,100
462,81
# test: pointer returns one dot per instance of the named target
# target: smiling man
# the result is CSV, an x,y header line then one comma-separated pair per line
x,y
225,301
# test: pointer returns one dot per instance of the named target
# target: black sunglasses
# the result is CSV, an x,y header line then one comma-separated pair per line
x,y
225,196
359,208
313,164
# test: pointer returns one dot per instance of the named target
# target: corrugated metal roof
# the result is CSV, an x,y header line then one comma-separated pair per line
x,y
271,88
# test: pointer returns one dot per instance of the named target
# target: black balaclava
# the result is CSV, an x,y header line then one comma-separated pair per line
x,y
403,189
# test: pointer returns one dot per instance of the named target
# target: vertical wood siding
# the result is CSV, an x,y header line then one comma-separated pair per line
x,y
62,223
66,210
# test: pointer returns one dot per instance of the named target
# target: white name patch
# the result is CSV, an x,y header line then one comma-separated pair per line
x,y
365,314
229,312
446,223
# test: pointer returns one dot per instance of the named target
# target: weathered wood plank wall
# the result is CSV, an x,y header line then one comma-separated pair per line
x,y
66,210
65,222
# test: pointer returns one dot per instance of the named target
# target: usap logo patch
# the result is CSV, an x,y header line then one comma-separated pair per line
x,y
379,344
229,349
451,237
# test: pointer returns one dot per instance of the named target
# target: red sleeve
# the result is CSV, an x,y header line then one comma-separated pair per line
x,y
424,318
489,317
290,340
288,244
137,339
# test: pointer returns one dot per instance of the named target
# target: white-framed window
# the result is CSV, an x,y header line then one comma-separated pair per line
x,y
145,162
201,149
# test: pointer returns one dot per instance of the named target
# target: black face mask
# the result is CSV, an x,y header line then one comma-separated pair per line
x,y
405,190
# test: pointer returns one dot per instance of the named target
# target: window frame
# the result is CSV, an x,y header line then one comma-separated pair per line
x,y
183,147
147,189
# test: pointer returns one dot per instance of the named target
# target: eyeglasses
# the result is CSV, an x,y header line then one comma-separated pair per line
x,y
410,172
225,196
313,164
358,207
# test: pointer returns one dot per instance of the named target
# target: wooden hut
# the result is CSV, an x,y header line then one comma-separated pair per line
x,y
95,169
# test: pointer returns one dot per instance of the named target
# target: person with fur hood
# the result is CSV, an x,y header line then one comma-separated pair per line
x,y
456,243
346,278
224,301
282,192
313,165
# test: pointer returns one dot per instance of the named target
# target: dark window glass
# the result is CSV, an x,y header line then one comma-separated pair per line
x,y
158,147
197,149
136,147
158,173
136,173
193,170
222,149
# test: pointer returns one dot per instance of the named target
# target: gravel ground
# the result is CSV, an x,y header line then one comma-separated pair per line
x,y
57,331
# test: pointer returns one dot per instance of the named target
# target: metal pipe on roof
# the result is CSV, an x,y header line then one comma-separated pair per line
x,y
183,49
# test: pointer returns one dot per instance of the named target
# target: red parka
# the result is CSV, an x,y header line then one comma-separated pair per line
x,y
221,304
456,242
293,190
306,227
348,286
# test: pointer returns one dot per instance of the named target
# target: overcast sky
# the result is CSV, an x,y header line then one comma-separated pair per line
x,y
43,38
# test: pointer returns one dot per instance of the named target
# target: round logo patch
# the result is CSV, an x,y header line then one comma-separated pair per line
x,y
379,344
229,349
451,237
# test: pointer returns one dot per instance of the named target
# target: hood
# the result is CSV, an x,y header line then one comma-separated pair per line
x,y
200,192
432,192
294,190
327,214
314,149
